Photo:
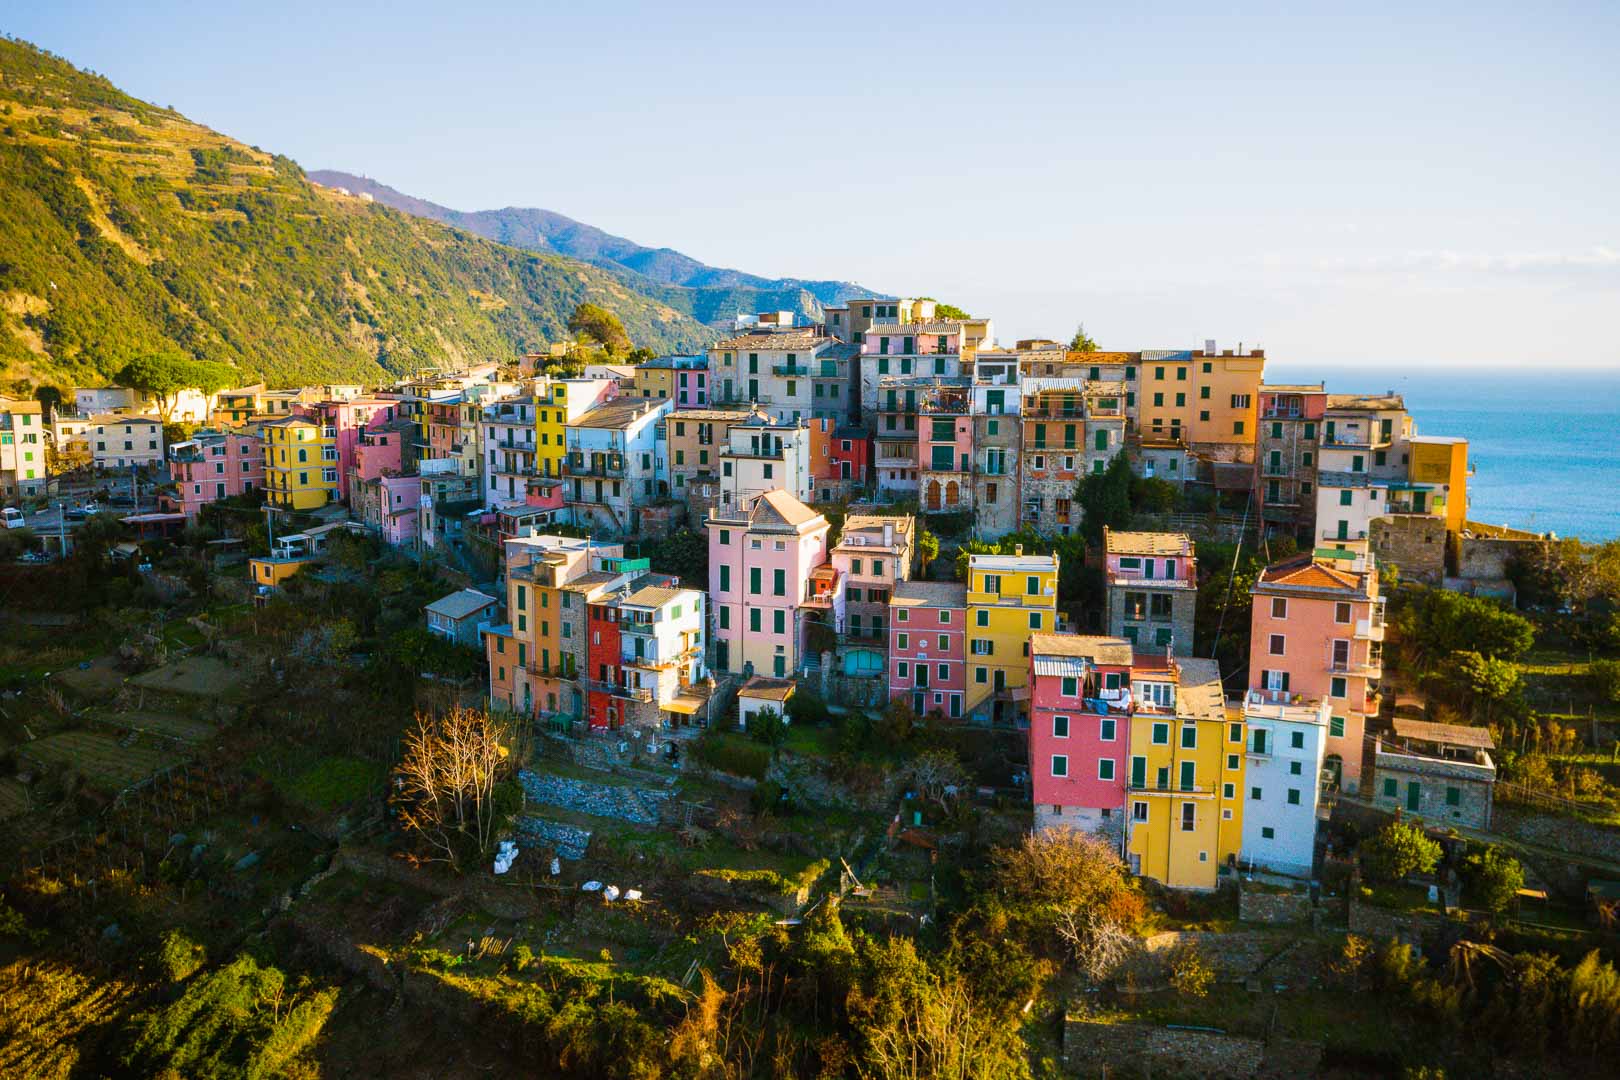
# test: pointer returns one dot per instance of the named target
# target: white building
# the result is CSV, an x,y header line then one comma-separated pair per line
x,y
509,432
1287,734
765,455
118,441
923,349
773,368
615,463
661,634
1364,452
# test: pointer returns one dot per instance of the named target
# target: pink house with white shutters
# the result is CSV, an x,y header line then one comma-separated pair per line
x,y
1079,731
927,667
761,553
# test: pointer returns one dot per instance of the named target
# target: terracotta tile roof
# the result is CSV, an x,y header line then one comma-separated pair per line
x,y
938,326
1303,570
798,339
1366,401
1146,543
1101,650
770,689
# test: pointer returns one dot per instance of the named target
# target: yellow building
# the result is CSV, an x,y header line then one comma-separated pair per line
x,y
558,403
1185,781
300,463
1009,597
1439,479
1208,401
271,572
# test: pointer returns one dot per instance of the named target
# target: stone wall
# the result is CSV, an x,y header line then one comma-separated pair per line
x,y
1272,908
1089,1045
1414,542
1383,924
1558,832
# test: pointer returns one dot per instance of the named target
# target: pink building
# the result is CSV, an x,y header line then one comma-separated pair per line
x,y
761,554
382,451
1318,634
348,419
1079,731
945,450
215,465
926,663
1152,589
692,382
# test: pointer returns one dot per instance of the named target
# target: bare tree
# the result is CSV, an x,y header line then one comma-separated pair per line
x,y
937,775
444,785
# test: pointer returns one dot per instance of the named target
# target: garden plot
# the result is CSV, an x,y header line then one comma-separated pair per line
x,y
13,798
183,728
100,759
197,676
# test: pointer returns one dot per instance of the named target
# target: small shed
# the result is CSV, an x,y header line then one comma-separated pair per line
x,y
761,693
461,615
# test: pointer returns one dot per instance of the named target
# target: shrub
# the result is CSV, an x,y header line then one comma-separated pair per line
x,y
1190,972
1495,878
179,957
1399,849
1605,675
733,754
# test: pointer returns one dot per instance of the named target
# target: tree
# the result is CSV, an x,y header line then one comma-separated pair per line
x,y
1152,495
600,325
166,375
1495,878
769,727
927,550
1399,849
1105,498
1190,972
66,455
1482,684
1605,676
938,775
444,785
1438,622
1064,882
1082,341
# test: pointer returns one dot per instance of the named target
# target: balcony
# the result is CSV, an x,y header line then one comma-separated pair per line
x,y
1371,629
1197,791
600,467
1372,667
633,693
1344,535
1355,440
791,371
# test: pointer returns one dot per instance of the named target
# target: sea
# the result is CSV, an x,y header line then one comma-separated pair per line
x,y
1545,442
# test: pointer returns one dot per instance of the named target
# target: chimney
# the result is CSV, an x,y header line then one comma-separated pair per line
x,y
1018,549
1209,346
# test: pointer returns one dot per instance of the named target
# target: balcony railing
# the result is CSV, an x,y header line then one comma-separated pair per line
x,y
1344,534
791,371
1372,666
597,468
1206,790
1355,440
634,693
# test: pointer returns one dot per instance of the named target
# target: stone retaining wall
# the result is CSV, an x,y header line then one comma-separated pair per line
x,y
1557,832
1260,906
1089,1045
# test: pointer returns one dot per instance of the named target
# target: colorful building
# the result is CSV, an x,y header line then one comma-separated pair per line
x,y
1186,773
509,450
926,349
1079,731
764,454
693,439
1009,597
1437,480
1318,631
1152,581
214,465
122,441
761,553
22,449
1208,400
874,553
772,367
347,419
927,647
1286,746
945,448
558,403
681,379
616,464
1364,457
1287,456
300,463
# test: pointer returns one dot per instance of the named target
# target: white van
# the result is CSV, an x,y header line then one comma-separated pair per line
x,y
12,518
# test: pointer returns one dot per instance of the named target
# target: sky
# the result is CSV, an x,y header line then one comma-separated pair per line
x,y
1412,185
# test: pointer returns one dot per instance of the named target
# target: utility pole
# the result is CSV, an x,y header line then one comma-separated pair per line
x,y
61,528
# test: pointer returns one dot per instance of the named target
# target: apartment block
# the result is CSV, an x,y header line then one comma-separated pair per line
x,y
681,379
1287,456
1318,631
945,452
761,554
1079,731
1364,458
214,465
1287,737
1009,598
906,350
927,660
763,454
771,367
872,556
1152,581
117,441
22,449
1186,772
616,464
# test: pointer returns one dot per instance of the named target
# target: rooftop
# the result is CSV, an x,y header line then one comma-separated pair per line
x,y
1391,400
1101,650
1449,734
769,689
1146,543
1013,562
1200,694
1304,571
937,326
654,596
918,594
459,605
795,339
618,414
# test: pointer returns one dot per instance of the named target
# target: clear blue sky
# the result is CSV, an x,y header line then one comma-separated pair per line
x,y
1377,185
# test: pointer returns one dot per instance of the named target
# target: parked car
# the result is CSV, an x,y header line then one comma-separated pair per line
x,y
12,518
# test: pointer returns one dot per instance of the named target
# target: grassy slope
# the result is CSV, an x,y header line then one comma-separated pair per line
x,y
125,228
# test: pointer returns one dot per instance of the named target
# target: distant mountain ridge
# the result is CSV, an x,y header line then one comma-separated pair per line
x,y
720,293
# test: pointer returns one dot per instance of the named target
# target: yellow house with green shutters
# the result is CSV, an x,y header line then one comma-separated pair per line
x,y
558,403
1009,597
1184,773
300,463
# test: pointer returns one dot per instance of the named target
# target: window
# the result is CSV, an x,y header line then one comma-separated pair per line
x,y
1069,687
779,619
779,582
1161,734
1189,813
1337,686
982,647
725,578
981,675
1105,768
901,641
1139,811
983,617
1189,736
1279,608
1293,796
1341,613
1234,733
1295,768
1189,775
944,643
1060,765
1390,787
1106,727
1336,727
753,620
1255,794
1228,791
1257,744
1345,497
902,669
754,574
944,618
1034,620
1296,740
1268,833
1060,727
1453,796
1278,645
1138,772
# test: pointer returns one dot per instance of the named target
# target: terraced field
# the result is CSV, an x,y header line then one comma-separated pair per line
x,y
184,728
100,759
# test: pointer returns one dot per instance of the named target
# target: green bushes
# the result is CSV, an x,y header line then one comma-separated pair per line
x,y
734,754
1399,849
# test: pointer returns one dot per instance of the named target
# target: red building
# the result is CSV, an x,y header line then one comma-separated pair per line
x,y
1079,731
852,455
602,659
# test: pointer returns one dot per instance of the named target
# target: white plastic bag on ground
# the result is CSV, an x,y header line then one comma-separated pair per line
x,y
611,893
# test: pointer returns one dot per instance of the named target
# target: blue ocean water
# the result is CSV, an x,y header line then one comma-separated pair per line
x,y
1545,443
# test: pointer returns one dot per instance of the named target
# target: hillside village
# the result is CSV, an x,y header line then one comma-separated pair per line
x,y
873,621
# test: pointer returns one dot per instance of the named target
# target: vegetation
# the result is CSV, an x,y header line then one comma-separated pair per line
x,y
1495,878
1082,341
165,376
1398,850
445,785
131,232
601,326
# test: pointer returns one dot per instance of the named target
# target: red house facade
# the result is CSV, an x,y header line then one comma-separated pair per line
x,y
1079,731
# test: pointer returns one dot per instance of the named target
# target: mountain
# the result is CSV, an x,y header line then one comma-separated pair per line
x,y
717,294
127,229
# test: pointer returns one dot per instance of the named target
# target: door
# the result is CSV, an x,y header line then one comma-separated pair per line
x,y
1412,791
1420,502
917,704
922,676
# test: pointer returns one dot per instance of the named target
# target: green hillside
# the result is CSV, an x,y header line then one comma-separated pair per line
x,y
126,229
